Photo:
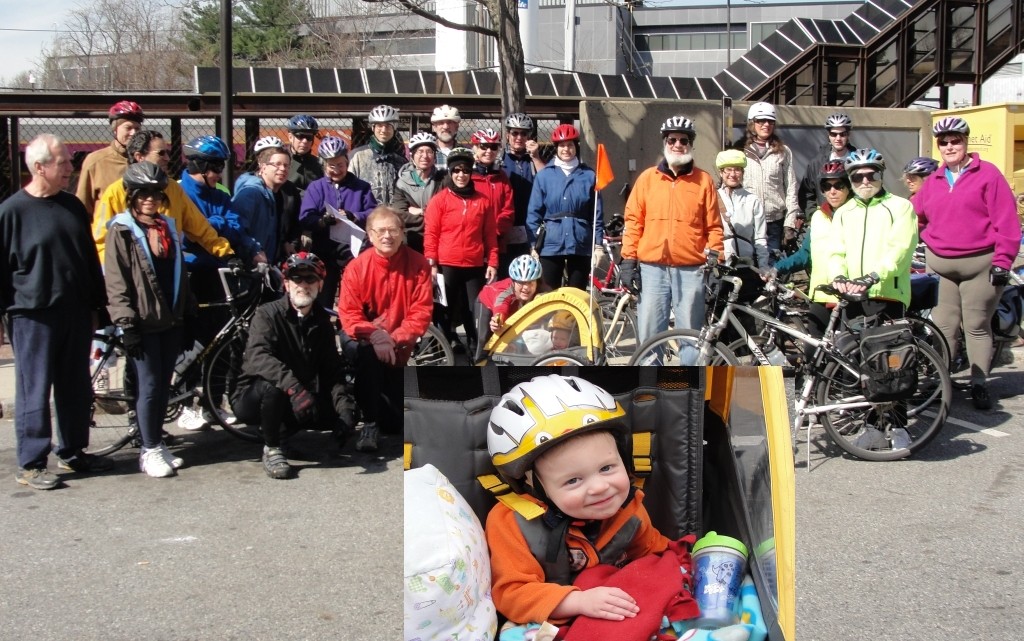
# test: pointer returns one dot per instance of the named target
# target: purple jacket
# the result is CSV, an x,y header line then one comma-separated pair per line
x,y
977,214
351,194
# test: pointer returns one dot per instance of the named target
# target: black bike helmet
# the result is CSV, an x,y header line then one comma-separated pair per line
x,y
303,123
143,176
304,261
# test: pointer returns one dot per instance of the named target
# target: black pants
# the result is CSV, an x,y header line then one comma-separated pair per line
x,y
578,268
379,387
462,287
265,404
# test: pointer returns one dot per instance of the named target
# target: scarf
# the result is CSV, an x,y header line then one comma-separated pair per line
x,y
390,147
462,191
567,167
158,235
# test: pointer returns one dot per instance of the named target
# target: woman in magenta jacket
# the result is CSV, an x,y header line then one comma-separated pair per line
x,y
969,222
460,240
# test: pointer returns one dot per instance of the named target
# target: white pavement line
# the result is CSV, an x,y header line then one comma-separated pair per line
x,y
971,426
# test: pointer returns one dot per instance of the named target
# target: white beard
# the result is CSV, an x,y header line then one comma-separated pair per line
x,y
445,137
677,160
301,299
866,191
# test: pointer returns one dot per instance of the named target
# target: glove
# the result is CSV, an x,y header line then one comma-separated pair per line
x,y
998,276
329,220
383,346
235,264
629,274
303,404
131,338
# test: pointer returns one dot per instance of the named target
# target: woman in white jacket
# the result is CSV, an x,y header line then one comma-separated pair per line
x,y
743,218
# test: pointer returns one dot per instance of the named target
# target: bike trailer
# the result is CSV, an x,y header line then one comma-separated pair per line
x,y
527,334
710,447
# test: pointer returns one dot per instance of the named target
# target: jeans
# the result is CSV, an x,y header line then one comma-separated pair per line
x,y
155,369
774,232
679,290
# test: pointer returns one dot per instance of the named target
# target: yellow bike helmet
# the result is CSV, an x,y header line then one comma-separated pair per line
x,y
534,416
731,158
562,320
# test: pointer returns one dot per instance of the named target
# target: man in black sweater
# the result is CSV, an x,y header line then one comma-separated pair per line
x,y
51,291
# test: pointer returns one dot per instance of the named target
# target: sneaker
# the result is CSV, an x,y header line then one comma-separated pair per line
x,y
227,417
85,463
871,438
170,458
980,396
151,461
900,438
191,419
368,438
39,479
275,463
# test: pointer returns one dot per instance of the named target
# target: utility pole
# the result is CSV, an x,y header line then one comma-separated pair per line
x,y
227,126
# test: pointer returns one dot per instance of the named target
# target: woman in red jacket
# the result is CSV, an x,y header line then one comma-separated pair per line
x,y
460,240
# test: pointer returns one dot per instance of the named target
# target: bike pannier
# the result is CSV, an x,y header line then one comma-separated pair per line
x,y
889,360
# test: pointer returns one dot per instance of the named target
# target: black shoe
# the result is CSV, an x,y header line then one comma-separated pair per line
x,y
980,396
85,463
275,464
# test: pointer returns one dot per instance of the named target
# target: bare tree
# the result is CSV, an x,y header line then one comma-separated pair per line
x,y
119,45
21,80
503,17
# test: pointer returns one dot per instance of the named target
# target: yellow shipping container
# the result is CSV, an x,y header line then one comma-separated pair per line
x,y
997,134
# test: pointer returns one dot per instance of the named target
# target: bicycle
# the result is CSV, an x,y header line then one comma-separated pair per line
x,y
618,305
209,377
432,349
832,377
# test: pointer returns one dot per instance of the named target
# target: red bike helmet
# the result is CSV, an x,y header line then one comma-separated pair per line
x,y
126,110
563,133
304,261
486,137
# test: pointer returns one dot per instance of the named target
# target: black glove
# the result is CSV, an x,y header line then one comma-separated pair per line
x,y
235,264
131,338
629,273
998,276
329,220
303,404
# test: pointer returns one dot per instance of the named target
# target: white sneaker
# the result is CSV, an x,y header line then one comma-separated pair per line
x,y
172,460
227,417
368,438
152,463
191,419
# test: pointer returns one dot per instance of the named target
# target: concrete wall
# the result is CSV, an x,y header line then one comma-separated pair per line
x,y
630,131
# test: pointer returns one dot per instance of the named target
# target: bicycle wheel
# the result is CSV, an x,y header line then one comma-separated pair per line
x,y
621,339
220,377
885,431
928,332
555,359
679,347
113,423
432,349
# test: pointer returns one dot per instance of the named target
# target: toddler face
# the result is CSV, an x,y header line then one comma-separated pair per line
x,y
585,478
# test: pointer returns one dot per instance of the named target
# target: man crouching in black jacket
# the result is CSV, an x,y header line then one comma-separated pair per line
x,y
292,375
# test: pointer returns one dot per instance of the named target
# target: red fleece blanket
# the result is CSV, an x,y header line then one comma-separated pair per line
x,y
654,581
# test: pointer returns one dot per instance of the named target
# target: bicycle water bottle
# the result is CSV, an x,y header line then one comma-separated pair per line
x,y
774,354
186,358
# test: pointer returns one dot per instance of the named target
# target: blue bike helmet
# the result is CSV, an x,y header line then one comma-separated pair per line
x,y
207,148
863,158
331,147
303,123
524,268
921,166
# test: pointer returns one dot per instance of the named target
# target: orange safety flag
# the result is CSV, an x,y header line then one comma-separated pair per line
x,y
605,175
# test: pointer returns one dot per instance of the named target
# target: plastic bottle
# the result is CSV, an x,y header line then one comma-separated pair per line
x,y
186,358
774,354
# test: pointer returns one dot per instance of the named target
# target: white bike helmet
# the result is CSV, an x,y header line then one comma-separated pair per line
x,y
863,158
445,112
267,142
761,110
534,416
524,268
837,120
679,124
420,139
519,120
951,125
383,113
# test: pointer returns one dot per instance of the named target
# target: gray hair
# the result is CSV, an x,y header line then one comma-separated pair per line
x,y
40,149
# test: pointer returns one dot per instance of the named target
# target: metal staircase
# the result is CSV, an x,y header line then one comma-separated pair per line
x,y
887,53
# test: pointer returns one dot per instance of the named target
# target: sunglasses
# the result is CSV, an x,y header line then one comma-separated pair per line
x,y
490,146
150,195
762,121
309,279
829,185
215,167
518,133
163,153
950,142
306,137
865,176
672,140
839,134
460,169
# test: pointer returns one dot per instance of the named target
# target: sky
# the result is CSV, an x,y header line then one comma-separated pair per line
x,y
25,29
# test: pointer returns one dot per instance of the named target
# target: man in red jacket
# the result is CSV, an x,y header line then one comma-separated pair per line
x,y
385,306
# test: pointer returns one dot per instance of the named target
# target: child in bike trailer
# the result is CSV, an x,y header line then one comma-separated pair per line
x,y
561,443
500,299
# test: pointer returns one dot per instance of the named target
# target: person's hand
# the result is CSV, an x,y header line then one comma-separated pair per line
x,y
260,258
383,346
597,256
433,271
533,148
303,404
415,211
328,219
629,274
495,323
602,602
131,338
533,252
999,276
491,273
768,273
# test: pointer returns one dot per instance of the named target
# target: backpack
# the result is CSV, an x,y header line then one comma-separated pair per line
x,y
1006,320
888,356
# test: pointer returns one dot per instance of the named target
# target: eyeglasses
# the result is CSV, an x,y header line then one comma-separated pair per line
x,y
518,133
460,169
839,134
277,165
309,279
672,140
163,153
387,231
490,147
306,137
865,176
763,121
829,185
947,142
150,195
336,166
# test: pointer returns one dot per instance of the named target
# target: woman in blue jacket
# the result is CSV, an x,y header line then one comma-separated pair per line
x,y
565,202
